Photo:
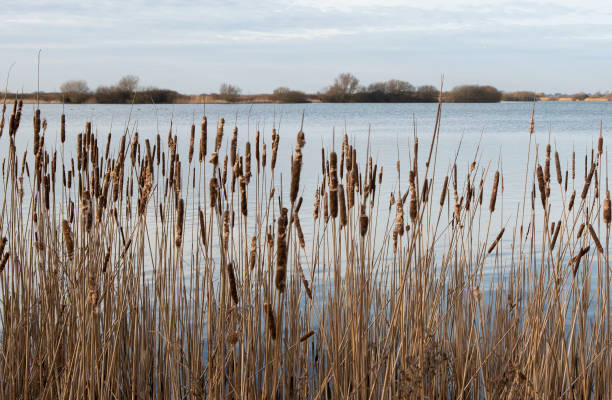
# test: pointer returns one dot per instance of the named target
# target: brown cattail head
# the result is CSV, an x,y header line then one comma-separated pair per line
x,y
219,138
4,261
571,202
296,170
496,241
595,239
298,228
253,253
587,183
180,213
63,128
576,260
363,222
2,245
494,192
281,252
243,197
271,320
275,140
558,168
203,139
68,239
412,209
202,226
600,145
342,205
234,145
606,208
213,192
231,277
306,336
444,188
541,185
547,164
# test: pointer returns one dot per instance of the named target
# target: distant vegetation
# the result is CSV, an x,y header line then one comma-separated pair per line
x,y
345,88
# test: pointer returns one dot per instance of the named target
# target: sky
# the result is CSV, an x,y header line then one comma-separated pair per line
x,y
194,46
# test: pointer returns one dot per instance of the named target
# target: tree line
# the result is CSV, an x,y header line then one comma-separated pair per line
x,y
345,88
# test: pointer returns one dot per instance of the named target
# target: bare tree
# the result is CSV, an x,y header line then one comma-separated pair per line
x,y
345,85
75,91
229,92
129,83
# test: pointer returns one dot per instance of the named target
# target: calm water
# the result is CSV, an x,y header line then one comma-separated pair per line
x,y
500,129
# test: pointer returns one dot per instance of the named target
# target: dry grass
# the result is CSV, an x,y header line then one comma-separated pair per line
x,y
130,275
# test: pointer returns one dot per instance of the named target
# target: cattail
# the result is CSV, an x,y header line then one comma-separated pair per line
x,y
558,168
587,183
541,185
306,336
275,140
281,252
62,128
425,191
219,138
299,205
363,222
580,230
212,192
325,208
243,197
203,139
179,222
191,142
247,164
547,164
214,159
443,194
342,204
315,211
595,239
298,228
263,155
232,282
234,145
577,258
571,202
606,209
2,244
573,165
296,170
555,235
68,239
413,203
271,320
202,225
600,145
497,239
4,261
253,252
494,192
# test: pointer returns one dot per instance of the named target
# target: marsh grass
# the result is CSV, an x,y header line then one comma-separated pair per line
x,y
135,274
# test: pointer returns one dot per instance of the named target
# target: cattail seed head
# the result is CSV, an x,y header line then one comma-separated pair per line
x,y
68,239
296,170
558,168
232,282
219,137
596,239
363,222
271,321
180,213
494,192
606,208
203,139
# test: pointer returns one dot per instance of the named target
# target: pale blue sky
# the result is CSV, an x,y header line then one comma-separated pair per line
x,y
194,46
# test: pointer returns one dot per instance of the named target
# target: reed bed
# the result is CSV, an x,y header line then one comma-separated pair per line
x,y
137,272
